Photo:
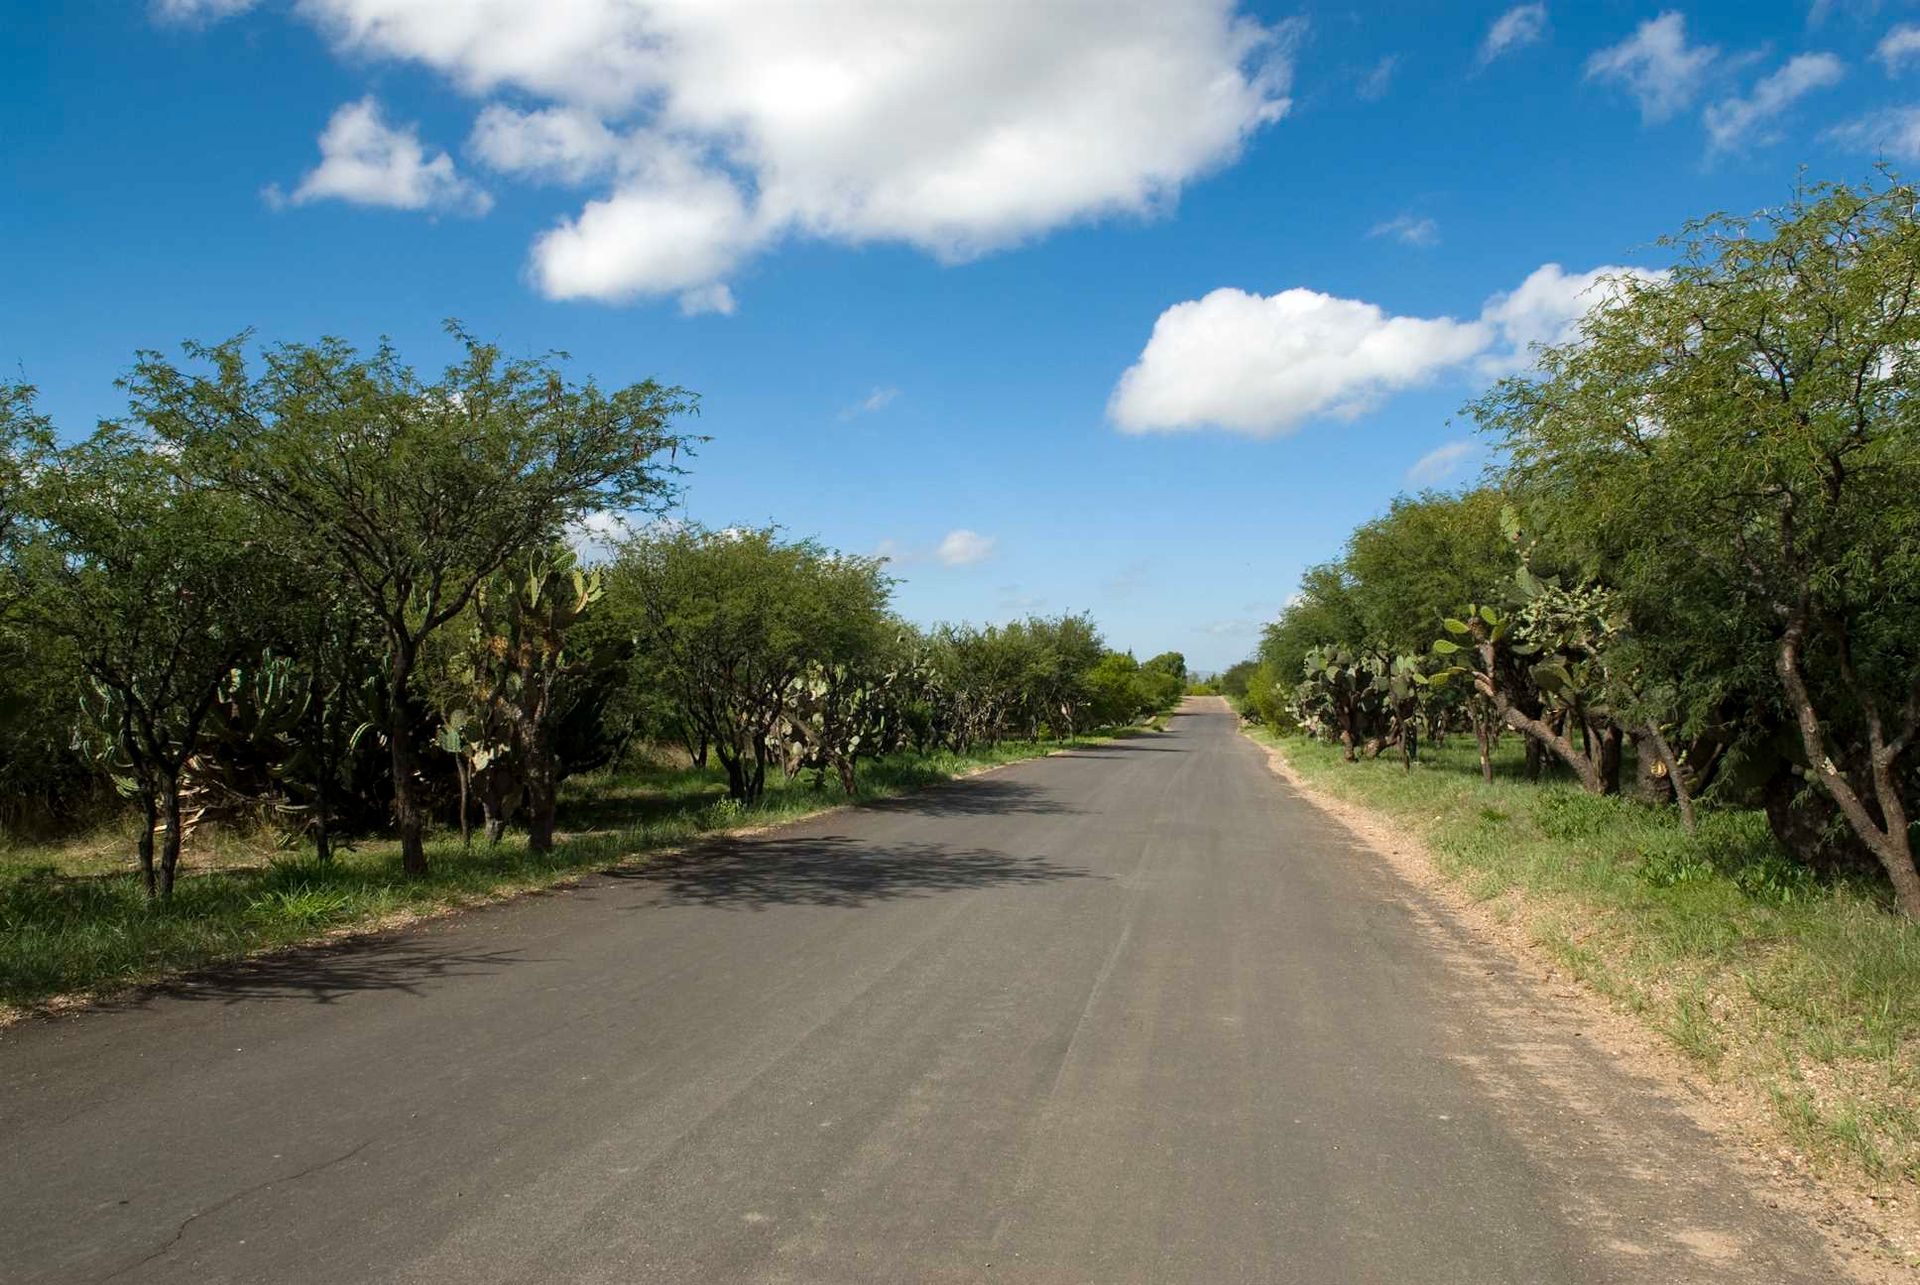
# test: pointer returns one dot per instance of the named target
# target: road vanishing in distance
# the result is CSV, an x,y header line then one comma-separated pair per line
x,y
1130,1013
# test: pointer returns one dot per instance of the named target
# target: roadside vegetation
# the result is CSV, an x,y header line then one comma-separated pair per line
x,y
1658,677
304,640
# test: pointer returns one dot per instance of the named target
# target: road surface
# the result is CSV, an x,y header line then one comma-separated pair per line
x,y
1131,1013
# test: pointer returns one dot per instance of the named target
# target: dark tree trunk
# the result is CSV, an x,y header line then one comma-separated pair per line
x,y
1652,779
543,799
464,771
170,834
407,813
1607,744
1874,808
150,816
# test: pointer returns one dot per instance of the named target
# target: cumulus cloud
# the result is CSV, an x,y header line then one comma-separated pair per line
x,y
1898,48
1893,133
1408,230
365,161
1657,66
1265,364
1737,123
1262,364
958,128
964,548
1545,309
554,145
1438,464
1517,28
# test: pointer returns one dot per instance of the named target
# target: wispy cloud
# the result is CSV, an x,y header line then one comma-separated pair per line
x,y
1439,464
1738,123
1517,28
877,400
1656,65
1374,85
1408,229
1898,48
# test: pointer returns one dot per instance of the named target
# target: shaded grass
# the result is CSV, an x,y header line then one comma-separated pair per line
x,y
1806,993
73,918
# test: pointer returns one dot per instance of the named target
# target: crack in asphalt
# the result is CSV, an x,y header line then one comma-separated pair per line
x,y
180,1232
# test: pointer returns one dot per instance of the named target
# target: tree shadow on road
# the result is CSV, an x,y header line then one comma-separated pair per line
x,y
983,796
1121,747
326,974
832,871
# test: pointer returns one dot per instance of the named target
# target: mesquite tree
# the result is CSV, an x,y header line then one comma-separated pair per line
x,y
159,588
1745,430
410,493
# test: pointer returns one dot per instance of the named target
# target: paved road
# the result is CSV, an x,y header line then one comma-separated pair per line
x,y
1134,1013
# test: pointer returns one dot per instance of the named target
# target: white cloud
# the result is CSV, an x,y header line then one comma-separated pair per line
x,y
1265,364
877,400
365,161
1438,464
1737,123
555,145
674,228
199,11
964,548
1409,230
1547,308
1894,133
955,128
1657,66
1374,85
1517,28
716,300
1898,48
598,536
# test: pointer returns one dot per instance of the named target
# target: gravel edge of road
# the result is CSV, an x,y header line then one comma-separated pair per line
x,y
1875,1249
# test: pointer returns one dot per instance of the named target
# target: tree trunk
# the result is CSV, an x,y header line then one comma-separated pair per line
x,y
1885,835
542,797
1609,754
170,833
406,786
1654,740
150,816
464,770
1483,735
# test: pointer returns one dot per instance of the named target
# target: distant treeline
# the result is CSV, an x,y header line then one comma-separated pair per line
x,y
316,589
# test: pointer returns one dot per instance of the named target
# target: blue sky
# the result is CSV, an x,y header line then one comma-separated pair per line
x,y
1135,308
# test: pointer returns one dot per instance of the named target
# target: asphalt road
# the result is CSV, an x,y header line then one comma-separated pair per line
x,y
1134,1013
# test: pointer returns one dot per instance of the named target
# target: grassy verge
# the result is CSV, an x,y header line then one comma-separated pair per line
x,y
72,917
1802,993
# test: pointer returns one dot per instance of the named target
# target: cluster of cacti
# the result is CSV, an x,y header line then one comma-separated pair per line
x,y
1369,700
501,685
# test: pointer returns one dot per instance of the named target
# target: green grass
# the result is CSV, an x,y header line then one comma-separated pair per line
x,y
1806,994
73,918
